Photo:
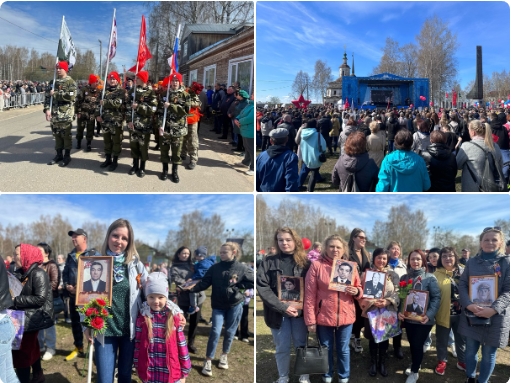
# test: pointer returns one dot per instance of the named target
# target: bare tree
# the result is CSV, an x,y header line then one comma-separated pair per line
x,y
322,77
408,56
300,84
274,100
390,62
436,56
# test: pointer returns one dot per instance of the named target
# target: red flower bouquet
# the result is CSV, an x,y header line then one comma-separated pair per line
x,y
95,313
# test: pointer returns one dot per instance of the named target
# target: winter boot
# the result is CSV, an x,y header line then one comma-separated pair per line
x,y
89,146
174,177
382,369
108,161
141,172
57,158
163,176
134,168
372,369
67,158
78,144
114,164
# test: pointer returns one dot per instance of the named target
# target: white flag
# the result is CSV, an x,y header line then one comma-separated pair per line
x,y
66,50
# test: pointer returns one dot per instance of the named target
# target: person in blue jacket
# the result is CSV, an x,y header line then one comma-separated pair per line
x,y
277,167
201,266
403,170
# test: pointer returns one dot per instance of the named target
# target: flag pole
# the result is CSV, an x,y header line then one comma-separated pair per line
x,y
168,84
107,62
136,71
56,62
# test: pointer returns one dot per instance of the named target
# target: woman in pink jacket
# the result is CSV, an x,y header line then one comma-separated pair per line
x,y
331,313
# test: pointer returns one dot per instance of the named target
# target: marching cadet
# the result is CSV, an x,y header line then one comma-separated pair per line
x,y
171,136
61,113
114,109
191,141
86,104
158,116
144,104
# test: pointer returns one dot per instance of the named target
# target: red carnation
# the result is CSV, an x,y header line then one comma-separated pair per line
x,y
89,311
100,302
97,323
402,284
410,281
104,312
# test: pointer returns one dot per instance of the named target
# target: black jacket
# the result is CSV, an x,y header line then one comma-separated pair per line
x,y
267,281
364,168
325,125
500,131
36,299
5,294
392,127
442,167
226,291
70,269
292,134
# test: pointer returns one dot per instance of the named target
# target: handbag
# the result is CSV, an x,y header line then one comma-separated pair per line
x,y
384,324
18,320
311,359
475,321
322,155
58,305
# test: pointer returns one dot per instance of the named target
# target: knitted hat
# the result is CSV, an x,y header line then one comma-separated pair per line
x,y
157,283
143,75
114,75
243,94
92,79
201,251
63,65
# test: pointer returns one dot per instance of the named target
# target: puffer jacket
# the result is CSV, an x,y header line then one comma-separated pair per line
x,y
36,299
427,282
267,281
328,307
497,335
442,167
5,295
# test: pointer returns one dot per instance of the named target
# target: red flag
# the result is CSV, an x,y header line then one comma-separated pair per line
x,y
346,104
446,95
143,49
454,97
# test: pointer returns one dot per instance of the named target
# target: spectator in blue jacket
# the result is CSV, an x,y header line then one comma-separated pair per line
x,y
201,266
277,167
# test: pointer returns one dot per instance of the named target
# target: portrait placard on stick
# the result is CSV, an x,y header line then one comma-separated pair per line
x,y
290,291
94,279
342,274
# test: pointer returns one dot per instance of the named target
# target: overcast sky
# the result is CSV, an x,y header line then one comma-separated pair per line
x,y
152,216
291,36
464,213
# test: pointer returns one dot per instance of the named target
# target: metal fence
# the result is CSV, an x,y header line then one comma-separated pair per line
x,y
22,100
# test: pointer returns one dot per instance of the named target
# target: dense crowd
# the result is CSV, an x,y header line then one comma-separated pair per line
x,y
340,296
404,150
20,94
146,324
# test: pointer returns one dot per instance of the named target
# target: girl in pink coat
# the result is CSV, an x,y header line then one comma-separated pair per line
x,y
329,312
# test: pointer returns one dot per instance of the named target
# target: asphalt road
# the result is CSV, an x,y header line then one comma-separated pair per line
x,y
26,145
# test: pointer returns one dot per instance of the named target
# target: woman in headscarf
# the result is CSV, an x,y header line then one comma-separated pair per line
x,y
36,299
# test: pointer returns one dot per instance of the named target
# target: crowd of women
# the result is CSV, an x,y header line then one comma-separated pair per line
x,y
403,150
143,316
339,316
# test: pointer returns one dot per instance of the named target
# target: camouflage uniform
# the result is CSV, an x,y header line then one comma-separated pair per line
x,y
86,104
142,123
62,113
191,141
114,109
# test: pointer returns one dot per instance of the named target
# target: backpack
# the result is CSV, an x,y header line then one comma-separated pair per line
x,y
350,186
492,179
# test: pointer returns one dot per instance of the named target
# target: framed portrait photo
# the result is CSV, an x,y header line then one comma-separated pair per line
x,y
483,289
416,305
94,279
342,274
374,284
290,291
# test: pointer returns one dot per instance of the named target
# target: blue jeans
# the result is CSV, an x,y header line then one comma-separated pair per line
x,y
232,319
315,177
489,355
391,146
48,338
290,329
7,332
107,359
340,336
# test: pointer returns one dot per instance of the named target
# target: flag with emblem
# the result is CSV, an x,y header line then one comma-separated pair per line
x,y
66,50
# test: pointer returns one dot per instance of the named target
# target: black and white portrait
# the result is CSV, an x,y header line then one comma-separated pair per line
x,y
374,284
290,291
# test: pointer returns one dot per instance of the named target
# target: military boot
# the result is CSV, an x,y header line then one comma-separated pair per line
x,y
114,164
89,146
67,158
78,144
141,172
108,161
57,158
174,177
372,369
164,174
134,168
381,363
